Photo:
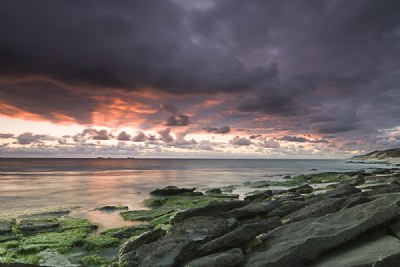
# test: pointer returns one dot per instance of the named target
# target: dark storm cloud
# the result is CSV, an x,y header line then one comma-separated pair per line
x,y
326,67
123,136
2,135
298,139
222,130
126,44
29,138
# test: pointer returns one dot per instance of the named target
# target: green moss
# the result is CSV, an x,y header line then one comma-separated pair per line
x,y
100,242
181,202
144,215
62,242
69,223
13,257
164,219
96,260
126,232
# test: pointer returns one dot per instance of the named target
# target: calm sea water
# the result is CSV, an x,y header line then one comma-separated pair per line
x,y
41,184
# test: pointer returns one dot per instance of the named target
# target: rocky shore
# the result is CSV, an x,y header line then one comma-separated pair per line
x,y
323,219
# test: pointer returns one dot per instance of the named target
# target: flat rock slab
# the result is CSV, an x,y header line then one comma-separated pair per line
x,y
342,190
171,191
34,226
179,245
253,209
316,208
287,208
298,243
230,258
212,209
5,227
240,236
372,250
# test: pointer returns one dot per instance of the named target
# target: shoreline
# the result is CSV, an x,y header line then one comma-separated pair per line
x,y
157,212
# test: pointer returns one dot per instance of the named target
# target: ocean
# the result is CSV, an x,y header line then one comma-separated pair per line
x,y
39,185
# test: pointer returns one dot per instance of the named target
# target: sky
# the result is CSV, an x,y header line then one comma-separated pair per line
x,y
187,78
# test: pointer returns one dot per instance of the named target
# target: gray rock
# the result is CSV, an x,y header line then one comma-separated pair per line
x,y
342,190
230,258
212,209
394,229
39,225
259,195
241,235
360,179
353,201
259,184
252,210
372,250
214,191
286,208
112,208
303,189
316,208
179,245
171,191
5,227
297,243
127,251
393,187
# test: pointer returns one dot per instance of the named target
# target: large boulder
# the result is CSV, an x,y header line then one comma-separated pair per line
x,y
298,243
374,250
259,195
171,191
231,258
240,236
28,226
342,190
303,189
127,250
316,208
286,208
252,210
212,209
179,246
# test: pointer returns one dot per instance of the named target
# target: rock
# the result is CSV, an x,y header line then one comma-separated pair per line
x,y
126,252
179,245
360,179
214,191
287,177
259,195
353,201
40,225
377,249
316,208
171,191
239,236
394,229
393,187
259,184
252,210
290,196
341,191
126,232
303,189
5,227
212,209
286,208
145,215
230,258
224,195
112,208
297,243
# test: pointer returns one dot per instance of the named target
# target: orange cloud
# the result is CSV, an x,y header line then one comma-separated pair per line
x,y
14,112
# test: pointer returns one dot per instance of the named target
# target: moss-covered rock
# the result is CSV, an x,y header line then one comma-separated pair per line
x,y
100,242
144,215
96,260
126,232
